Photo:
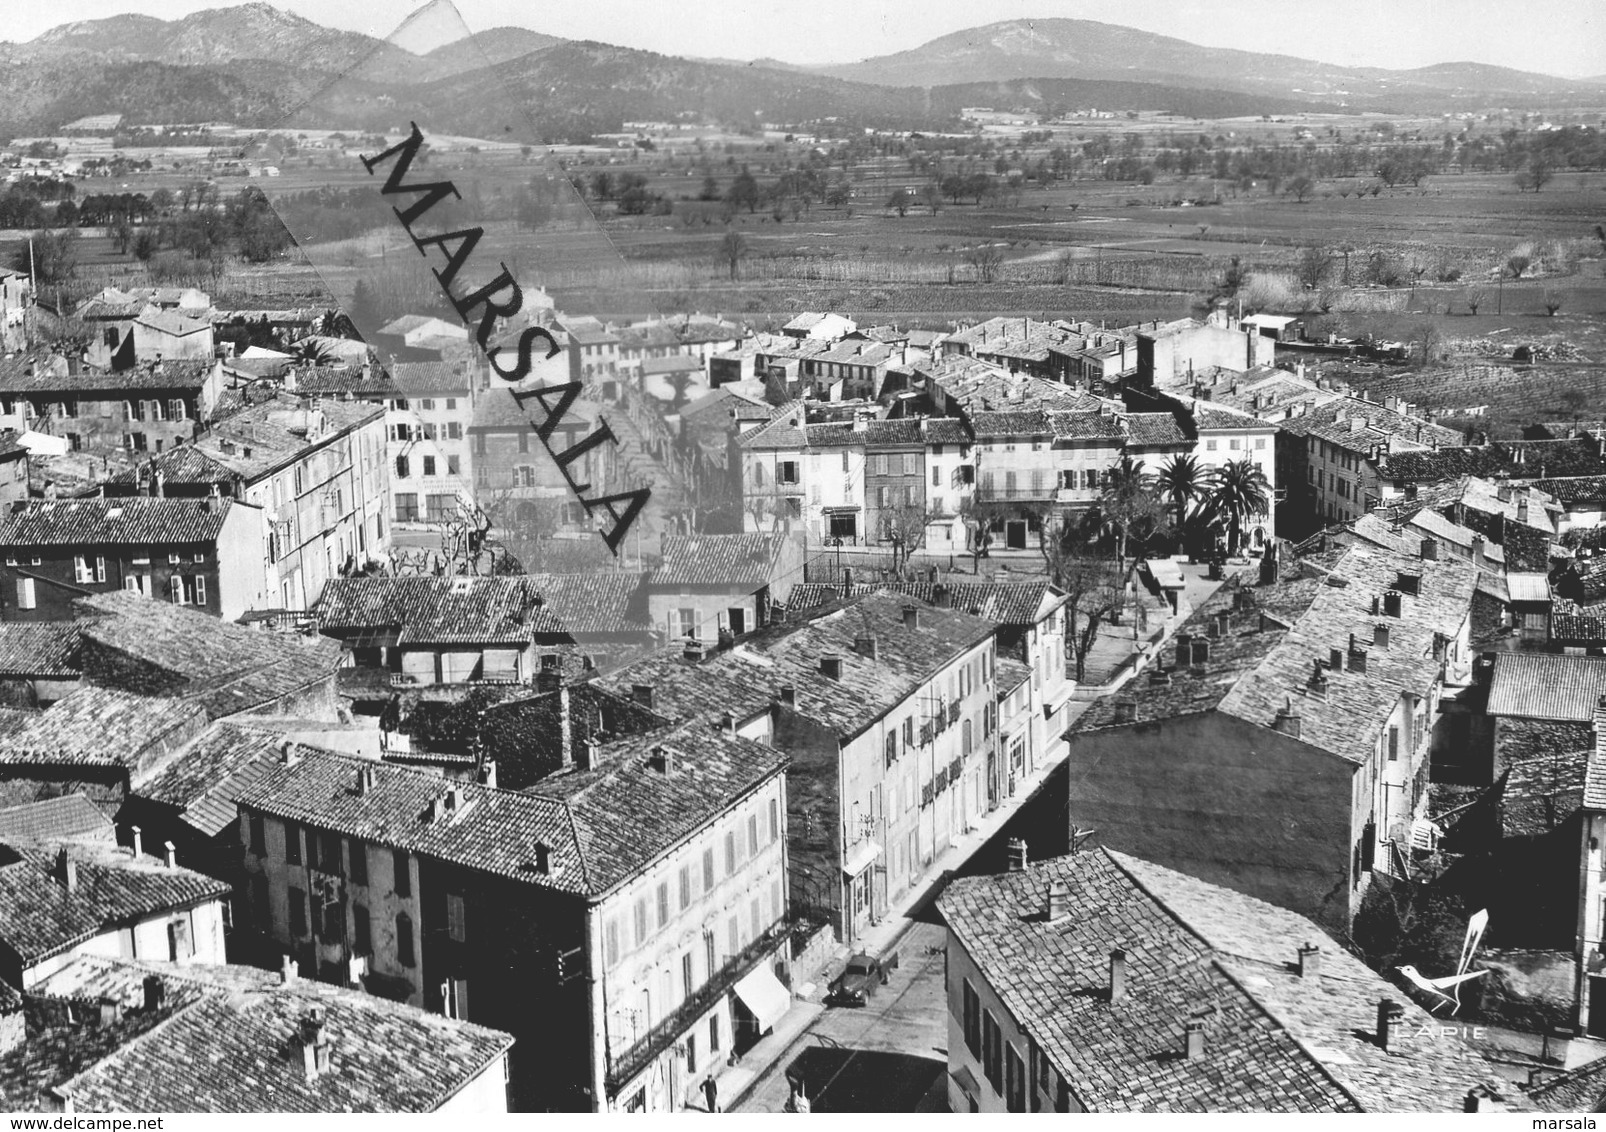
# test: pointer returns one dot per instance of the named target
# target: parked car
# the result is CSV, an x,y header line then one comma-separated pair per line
x,y
858,981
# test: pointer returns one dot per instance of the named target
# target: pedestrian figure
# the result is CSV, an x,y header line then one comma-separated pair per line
x,y
711,1093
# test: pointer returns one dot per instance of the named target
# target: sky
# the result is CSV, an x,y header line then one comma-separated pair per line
x,y
1559,37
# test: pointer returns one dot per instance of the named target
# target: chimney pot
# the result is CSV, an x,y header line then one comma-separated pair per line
x,y
663,760
727,724
1117,974
831,667
543,857
138,841
169,855
1335,660
155,993
911,617
642,694
1017,855
788,696
1380,636
1288,721
865,647
488,771
1388,1013
1194,1037
66,870
1310,961
287,970
1392,603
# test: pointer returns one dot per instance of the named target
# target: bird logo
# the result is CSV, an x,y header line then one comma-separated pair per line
x,y
1436,987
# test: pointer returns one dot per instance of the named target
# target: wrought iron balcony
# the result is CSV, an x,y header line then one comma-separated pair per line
x,y
650,1046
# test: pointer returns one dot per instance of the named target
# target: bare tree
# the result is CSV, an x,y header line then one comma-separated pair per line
x,y
1552,299
1094,586
1474,296
986,259
979,519
732,250
905,527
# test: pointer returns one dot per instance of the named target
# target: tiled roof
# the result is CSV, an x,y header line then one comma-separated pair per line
x,y
184,464
430,377
67,818
945,430
224,1040
1430,522
1082,425
1537,795
1552,686
601,826
1155,430
605,603
95,726
202,781
136,520
1218,418
719,560
1006,603
1358,425
1273,1041
1583,489
1577,627
334,380
433,611
1256,667
1541,459
170,374
223,668
39,917
749,678
903,432
1011,675
39,649
1578,1090
262,438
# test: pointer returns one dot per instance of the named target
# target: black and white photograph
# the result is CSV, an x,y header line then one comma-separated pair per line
x,y
834,558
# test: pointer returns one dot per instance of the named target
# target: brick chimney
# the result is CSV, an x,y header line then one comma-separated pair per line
x,y
831,667
155,993
662,759
642,694
911,617
313,1038
169,855
865,646
1125,711
1380,636
1017,855
1056,902
1193,1039
1117,986
66,870
788,696
287,970
1430,550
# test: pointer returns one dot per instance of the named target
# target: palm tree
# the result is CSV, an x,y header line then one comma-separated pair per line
x,y
1239,495
313,353
1182,481
1129,506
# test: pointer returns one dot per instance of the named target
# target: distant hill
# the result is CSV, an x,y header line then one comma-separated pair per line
x,y
1086,49
487,47
208,38
253,63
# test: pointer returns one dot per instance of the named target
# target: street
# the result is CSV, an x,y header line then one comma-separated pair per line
x,y
889,1055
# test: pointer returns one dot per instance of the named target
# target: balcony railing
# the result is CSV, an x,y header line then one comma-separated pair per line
x,y
646,1049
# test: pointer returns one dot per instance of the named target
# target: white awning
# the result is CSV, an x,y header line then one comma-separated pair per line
x,y
762,993
861,856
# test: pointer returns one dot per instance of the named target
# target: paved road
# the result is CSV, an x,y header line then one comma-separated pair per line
x,y
888,1056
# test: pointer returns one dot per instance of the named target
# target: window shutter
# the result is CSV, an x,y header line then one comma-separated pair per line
x,y
178,589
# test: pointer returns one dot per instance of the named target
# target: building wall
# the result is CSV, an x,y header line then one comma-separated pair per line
x,y
904,484
1591,919
711,610
242,581
145,939
846,795
53,571
1040,1095
329,505
1229,802
486,1093
696,928
1163,358
1216,449
421,427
